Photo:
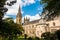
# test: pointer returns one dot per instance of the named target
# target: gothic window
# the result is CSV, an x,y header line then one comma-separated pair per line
x,y
53,23
26,31
32,26
38,32
32,32
29,26
19,20
53,30
47,24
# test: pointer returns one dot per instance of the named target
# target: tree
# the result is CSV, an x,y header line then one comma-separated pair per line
x,y
3,9
58,34
37,38
2,3
30,38
10,29
53,6
9,20
3,25
25,35
48,36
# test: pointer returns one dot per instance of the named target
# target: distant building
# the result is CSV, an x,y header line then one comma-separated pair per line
x,y
37,27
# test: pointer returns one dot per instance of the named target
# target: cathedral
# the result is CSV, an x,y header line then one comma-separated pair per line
x,y
37,27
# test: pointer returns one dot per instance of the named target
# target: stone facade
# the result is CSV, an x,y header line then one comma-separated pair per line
x,y
37,27
34,28
54,25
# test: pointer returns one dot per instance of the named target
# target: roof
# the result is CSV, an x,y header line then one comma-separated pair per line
x,y
32,22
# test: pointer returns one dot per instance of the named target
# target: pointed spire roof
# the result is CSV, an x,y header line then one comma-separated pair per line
x,y
19,12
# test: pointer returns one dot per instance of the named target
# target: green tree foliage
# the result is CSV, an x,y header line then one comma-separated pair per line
x,y
37,38
2,3
58,34
48,36
9,20
4,27
53,6
30,38
7,27
10,29
3,9
25,36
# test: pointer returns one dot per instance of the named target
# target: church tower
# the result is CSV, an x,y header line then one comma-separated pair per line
x,y
19,17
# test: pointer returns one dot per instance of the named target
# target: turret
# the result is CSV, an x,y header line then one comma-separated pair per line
x,y
26,20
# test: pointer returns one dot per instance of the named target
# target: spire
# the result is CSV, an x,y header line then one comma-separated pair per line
x,y
19,17
19,13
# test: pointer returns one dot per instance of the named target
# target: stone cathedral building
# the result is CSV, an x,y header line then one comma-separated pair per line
x,y
37,27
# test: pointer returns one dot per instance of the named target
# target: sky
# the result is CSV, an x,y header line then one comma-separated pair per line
x,y
29,8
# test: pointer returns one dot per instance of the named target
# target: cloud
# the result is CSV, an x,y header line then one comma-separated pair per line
x,y
32,18
13,10
40,12
15,20
40,8
28,2
22,12
5,17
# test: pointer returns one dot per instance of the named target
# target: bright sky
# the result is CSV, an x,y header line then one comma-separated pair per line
x,y
29,8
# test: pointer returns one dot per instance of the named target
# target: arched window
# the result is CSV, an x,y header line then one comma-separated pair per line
x,y
47,24
53,23
33,32
32,26
38,32
29,26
